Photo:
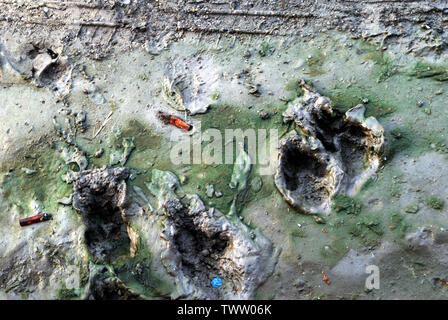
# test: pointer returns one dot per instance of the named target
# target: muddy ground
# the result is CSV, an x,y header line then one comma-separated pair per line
x,y
238,64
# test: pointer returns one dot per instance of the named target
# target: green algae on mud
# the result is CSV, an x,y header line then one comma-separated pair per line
x,y
435,202
343,99
137,274
384,63
350,227
151,152
315,62
46,185
428,70
224,117
68,294
294,87
381,105
343,204
378,199
398,224
227,116
332,251
143,135
353,233
265,49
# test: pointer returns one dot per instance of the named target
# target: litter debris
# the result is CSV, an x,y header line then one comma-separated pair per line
x,y
325,278
216,282
176,121
35,219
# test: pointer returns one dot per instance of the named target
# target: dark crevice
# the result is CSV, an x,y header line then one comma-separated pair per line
x,y
106,234
299,167
201,250
96,197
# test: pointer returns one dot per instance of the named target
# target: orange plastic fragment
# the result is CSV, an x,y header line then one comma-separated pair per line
x,y
180,123
325,278
174,120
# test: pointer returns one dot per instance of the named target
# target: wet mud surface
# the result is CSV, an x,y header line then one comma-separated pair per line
x,y
356,91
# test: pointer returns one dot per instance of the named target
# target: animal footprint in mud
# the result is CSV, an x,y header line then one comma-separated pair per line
x,y
332,152
100,198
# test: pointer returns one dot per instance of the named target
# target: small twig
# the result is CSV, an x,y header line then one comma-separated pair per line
x,y
104,124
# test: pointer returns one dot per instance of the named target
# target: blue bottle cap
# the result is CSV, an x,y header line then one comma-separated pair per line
x,y
216,282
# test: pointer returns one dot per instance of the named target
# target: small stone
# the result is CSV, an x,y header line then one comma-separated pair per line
x,y
411,209
247,54
210,190
263,115
365,100
319,220
254,91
